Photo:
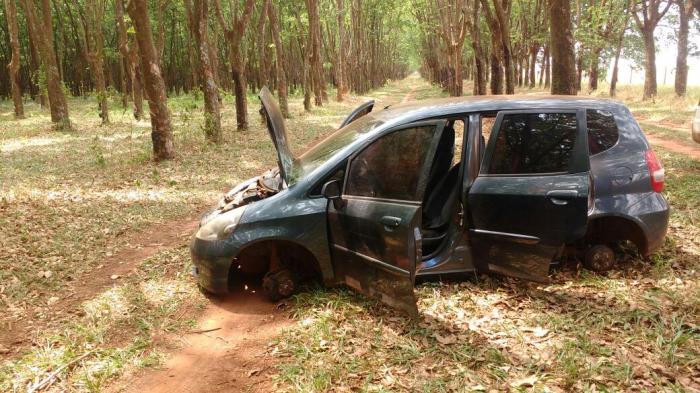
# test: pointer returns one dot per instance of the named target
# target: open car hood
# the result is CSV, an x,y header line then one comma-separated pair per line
x,y
278,132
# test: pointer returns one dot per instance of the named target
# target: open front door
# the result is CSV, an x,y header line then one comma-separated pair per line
x,y
358,113
375,225
531,194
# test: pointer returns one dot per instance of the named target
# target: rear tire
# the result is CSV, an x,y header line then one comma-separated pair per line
x,y
279,284
599,258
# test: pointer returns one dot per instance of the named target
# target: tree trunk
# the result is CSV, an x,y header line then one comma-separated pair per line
x,y
260,42
340,67
685,10
562,42
615,71
480,60
280,72
650,89
317,79
191,56
212,111
44,29
95,46
534,50
13,66
497,76
161,129
593,72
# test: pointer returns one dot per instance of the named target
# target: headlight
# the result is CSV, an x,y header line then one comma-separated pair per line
x,y
221,226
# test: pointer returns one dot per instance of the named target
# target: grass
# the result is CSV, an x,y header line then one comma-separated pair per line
x,y
69,200
635,328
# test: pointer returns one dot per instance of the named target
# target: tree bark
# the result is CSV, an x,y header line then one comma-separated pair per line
x,y
44,29
316,73
282,89
685,11
340,67
207,82
94,43
13,66
161,128
651,14
534,50
234,35
130,58
562,47
616,67
480,61
593,72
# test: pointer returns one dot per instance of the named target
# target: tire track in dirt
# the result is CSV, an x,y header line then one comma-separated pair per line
x,y
676,147
141,245
232,358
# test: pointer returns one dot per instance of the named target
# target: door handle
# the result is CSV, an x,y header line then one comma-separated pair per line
x,y
390,221
561,197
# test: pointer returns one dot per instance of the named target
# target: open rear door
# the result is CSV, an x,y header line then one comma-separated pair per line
x,y
532,192
358,113
375,226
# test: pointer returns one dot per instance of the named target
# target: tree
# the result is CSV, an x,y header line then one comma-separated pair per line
x,y
129,53
685,13
453,21
280,64
651,13
234,36
499,23
562,48
13,66
480,66
161,129
94,44
207,82
616,69
43,27
317,80
340,66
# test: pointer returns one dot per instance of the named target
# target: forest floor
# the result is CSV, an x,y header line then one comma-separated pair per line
x,y
96,290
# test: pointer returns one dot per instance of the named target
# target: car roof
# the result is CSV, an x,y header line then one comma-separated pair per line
x,y
414,110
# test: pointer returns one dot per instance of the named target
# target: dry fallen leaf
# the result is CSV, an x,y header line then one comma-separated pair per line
x,y
114,276
446,340
524,382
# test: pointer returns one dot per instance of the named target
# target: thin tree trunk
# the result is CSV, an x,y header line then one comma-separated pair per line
x,y
317,79
650,88
44,28
340,67
282,90
593,72
562,42
94,41
212,111
616,68
534,50
161,128
13,66
685,11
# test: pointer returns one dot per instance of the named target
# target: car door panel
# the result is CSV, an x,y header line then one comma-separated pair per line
x,y
518,222
376,239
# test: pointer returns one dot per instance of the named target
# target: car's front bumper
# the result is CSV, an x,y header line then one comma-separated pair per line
x,y
212,262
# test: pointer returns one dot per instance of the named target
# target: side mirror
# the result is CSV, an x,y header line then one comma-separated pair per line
x,y
331,191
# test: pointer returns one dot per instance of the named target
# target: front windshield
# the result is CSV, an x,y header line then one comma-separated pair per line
x,y
327,148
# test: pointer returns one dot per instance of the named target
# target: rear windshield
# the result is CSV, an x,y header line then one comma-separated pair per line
x,y
327,148
602,131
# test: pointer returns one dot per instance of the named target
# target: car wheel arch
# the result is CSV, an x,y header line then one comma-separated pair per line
x,y
254,258
614,228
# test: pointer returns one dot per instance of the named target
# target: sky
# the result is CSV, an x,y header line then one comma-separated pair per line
x,y
665,60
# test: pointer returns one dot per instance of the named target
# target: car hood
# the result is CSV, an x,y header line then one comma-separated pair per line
x,y
278,132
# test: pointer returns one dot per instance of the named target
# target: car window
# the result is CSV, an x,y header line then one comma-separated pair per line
x,y
337,175
390,167
529,143
602,131
459,139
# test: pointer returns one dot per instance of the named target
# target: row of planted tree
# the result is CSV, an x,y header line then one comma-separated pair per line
x,y
146,50
149,49
501,44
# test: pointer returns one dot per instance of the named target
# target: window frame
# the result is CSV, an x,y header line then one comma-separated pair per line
x,y
579,160
438,126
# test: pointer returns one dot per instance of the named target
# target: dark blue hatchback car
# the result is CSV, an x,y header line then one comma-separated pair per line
x,y
501,184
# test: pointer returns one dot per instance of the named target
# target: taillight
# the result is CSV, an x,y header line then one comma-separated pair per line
x,y
591,193
656,171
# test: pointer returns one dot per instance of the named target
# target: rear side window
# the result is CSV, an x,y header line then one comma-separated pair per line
x,y
602,131
390,167
530,143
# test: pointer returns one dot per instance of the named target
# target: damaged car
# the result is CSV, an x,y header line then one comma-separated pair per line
x,y
492,184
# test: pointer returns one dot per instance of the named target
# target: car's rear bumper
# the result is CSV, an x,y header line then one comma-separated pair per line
x,y
654,222
212,262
